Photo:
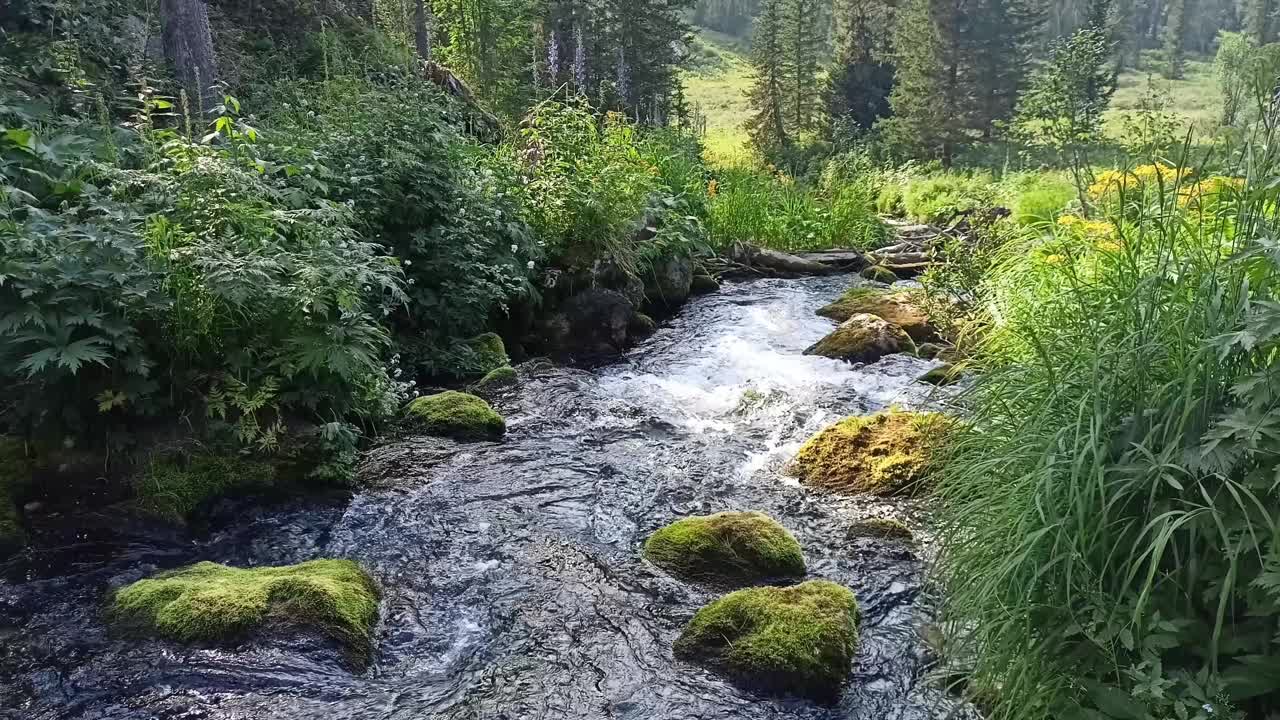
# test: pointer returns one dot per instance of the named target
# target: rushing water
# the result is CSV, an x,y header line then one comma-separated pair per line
x,y
513,582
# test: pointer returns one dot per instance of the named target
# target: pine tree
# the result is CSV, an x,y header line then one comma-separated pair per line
x,y
803,45
1001,40
1175,29
861,79
766,98
1257,20
931,93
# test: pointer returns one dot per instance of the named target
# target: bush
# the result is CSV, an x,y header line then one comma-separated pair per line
x,y
942,197
1114,488
1039,198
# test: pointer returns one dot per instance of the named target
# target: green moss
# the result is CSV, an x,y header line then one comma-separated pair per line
x,y
457,415
884,453
484,353
881,528
174,486
15,473
642,324
798,640
496,378
879,273
899,307
734,547
942,375
862,338
210,602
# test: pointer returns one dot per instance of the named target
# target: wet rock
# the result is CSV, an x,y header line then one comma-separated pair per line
x,y
732,547
879,273
861,338
899,307
797,640
208,602
592,323
703,284
642,325
667,287
495,379
885,453
942,375
929,350
454,414
881,528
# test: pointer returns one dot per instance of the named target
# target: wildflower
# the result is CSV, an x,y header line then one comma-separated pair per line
x,y
1053,260
713,187
515,248
529,264
407,263
1108,246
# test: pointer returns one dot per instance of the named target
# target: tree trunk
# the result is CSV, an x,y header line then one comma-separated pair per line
x,y
188,45
422,29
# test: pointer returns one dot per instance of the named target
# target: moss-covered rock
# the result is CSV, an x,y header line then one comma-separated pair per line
x,y
209,602
884,453
862,338
174,485
895,306
881,528
796,640
457,415
485,353
642,325
879,273
15,473
731,547
942,375
497,378
703,284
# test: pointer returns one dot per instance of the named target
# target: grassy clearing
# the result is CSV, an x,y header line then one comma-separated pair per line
x,y
718,84
1195,100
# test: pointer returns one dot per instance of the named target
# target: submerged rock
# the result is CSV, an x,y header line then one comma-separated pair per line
x,y
457,415
796,640
15,473
896,306
731,547
209,602
884,453
861,338
592,323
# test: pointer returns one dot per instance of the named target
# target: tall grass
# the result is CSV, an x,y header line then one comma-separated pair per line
x,y
1111,513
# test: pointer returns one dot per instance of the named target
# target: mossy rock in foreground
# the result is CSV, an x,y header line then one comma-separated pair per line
x,y
15,474
208,602
796,640
884,453
862,338
732,547
457,415
899,307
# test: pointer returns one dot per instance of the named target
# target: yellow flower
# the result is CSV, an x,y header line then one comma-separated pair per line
x,y
713,187
1107,246
1054,259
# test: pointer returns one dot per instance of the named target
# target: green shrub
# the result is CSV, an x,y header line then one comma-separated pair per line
x,y
455,414
1039,198
210,602
736,547
941,197
796,640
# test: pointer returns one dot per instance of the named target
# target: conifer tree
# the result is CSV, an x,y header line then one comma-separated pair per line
x,y
1257,20
803,45
859,83
1175,29
1000,51
930,98
766,98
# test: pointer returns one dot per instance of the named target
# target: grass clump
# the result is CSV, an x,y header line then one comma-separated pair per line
x,y
734,547
174,486
15,473
899,307
455,414
884,453
788,640
209,602
862,338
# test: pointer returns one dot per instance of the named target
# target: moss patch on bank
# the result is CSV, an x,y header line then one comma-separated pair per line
x,y
208,602
898,307
173,486
884,453
15,473
790,640
457,415
730,547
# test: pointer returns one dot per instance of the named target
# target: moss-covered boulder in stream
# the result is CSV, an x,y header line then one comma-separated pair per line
x,y
495,379
208,602
15,473
899,307
731,547
454,414
885,453
862,338
797,640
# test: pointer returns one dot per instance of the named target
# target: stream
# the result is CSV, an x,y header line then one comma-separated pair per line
x,y
512,577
